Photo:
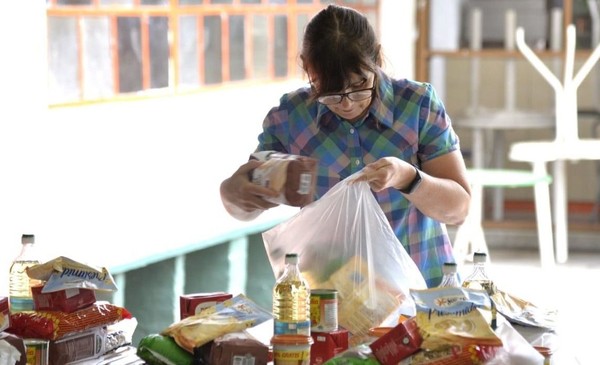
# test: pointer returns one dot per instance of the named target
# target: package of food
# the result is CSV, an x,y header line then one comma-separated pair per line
x,y
156,349
52,325
65,300
398,343
293,176
88,344
64,273
12,349
237,348
455,326
191,304
326,345
233,315
4,314
522,312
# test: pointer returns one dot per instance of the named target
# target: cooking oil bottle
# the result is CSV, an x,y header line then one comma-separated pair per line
x,y
450,278
479,279
291,300
19,291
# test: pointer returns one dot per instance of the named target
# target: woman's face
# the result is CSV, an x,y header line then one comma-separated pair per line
x,y
354,106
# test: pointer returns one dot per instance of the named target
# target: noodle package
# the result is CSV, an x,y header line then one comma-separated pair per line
x,y
346,243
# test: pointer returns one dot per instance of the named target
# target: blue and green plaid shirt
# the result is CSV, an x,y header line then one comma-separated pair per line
x,y
407,121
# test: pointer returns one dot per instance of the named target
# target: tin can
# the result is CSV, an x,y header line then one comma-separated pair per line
x,y
291,349
323,310
37,351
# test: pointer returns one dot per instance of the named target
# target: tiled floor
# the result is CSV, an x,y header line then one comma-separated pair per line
x,y
570,288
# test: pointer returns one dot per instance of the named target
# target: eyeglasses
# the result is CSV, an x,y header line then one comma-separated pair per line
x,y
356,95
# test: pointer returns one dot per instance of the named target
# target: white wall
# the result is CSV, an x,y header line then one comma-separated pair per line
x,y
398,36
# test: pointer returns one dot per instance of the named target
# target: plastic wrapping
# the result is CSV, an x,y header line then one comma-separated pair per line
x,y
346,243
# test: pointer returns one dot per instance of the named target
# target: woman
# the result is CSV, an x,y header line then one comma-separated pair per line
x,y
354,116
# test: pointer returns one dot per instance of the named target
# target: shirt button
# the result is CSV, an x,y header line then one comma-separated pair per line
x,y
357,162
351,130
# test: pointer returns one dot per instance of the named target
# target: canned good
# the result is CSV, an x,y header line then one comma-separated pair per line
x,y
291,349
323,310
37,351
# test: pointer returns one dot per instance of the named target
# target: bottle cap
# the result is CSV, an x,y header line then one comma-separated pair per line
x,y
479,257
27,238
291,258
449,268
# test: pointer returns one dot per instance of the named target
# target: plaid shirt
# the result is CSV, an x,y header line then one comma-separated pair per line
x,y
407,121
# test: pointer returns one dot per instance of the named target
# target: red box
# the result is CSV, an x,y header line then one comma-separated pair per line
x,y
66,300
4,314
399,343
190,304
327,344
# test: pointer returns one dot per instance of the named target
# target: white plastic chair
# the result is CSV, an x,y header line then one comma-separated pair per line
x,y
567,145
470,236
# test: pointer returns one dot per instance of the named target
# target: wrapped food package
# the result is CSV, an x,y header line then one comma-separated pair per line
x,y
238,348
293,176
52,325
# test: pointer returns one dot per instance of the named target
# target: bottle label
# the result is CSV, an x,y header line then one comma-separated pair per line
x,y
292,328
18,304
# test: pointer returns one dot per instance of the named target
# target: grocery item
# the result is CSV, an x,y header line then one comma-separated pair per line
x,y
156,349
37,351
238,348
324,310
191,304
12,349
291,300
19,291
327,345
233,315
293,176
79,346
64,273
52,325
291,349
398,343
479,279
454,324
450,278
65,300
4,314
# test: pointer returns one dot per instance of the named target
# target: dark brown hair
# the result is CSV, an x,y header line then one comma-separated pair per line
x,y
339,41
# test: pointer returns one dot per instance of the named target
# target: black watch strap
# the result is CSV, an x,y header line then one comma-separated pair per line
x,y
414,184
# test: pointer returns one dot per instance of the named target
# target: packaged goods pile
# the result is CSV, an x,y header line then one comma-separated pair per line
x,y
66,323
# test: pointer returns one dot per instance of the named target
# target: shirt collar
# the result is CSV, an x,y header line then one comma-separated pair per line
x,y
381,108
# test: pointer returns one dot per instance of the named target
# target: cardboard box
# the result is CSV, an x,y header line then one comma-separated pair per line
x,y
238,348
84,345
4,314
399,343
327,344
66,300
190,304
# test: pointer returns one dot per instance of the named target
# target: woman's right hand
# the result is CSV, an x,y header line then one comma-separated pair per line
x,y
243,199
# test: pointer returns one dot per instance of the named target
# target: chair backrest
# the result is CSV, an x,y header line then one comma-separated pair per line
x,y
566,113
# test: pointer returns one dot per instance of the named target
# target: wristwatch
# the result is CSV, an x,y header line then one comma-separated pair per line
x,y
414,184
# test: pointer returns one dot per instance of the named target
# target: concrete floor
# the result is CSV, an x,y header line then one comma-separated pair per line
x,y
570,288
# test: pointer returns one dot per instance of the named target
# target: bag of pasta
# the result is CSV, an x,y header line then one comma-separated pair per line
x,y
346,243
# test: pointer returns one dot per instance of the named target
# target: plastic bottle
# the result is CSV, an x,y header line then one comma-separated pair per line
x,y
19,291
479,279
450,278
291,300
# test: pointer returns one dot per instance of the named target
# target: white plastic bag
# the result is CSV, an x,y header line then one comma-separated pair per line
x,y
346,243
